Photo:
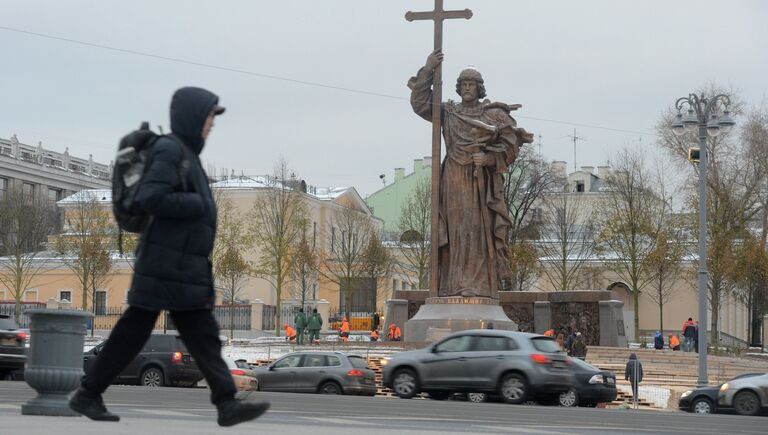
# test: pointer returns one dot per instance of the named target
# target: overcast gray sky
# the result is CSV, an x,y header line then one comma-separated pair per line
x,y
612,64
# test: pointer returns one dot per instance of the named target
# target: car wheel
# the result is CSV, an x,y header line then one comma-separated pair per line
x,y
477,397
701,406
439,395
330,388
152,377
746,403
568,398
513,388
405,384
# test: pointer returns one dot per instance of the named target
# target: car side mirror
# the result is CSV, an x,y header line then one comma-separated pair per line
x,y
271,368
434,349
95,351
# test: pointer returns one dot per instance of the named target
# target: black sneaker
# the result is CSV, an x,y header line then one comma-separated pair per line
x,y
237,411
91,406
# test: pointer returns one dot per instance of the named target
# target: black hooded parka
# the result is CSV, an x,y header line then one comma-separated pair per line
x,y
173,271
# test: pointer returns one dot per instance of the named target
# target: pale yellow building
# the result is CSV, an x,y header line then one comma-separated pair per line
x,y
57,281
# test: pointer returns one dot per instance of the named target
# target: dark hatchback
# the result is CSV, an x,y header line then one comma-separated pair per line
x,y
592,386
703,400
164,361
13,352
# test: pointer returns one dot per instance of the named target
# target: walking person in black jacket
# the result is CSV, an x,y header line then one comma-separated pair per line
x,y
172,270
634,374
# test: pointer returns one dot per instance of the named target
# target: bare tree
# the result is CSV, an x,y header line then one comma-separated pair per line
x,y
25,223
527,180
664,264
755,137
278,218
304,269
343,263
414,228
230,249
524,265
752,263
567,239
87,243
379,264
634,214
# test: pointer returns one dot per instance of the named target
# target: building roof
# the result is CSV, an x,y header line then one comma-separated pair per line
x,y
87,195
265,182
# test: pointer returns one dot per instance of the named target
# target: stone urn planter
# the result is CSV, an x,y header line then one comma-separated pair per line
x,y
55,359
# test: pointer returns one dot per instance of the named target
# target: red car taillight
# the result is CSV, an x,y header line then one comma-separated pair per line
x,y
355,373
539,359
22,336
237,372
177,357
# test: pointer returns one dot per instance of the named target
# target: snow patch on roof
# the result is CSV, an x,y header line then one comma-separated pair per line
x,y
87,195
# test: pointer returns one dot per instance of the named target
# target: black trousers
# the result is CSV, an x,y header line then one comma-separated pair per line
x,y
199,331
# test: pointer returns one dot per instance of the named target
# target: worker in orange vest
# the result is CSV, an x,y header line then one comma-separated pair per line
x,y
290,333
550,333
674,343
374,334
394,333
344,331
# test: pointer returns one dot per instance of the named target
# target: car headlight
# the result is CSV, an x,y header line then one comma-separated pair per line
x,y
596,379
724,387
686,394
385,361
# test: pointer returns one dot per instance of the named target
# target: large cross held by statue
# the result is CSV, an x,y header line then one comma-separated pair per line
x,y
437,15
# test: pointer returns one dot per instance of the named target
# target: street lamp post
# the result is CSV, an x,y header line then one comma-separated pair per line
x,y
704,113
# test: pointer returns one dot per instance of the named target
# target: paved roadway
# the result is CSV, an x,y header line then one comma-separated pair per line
x,y
179,410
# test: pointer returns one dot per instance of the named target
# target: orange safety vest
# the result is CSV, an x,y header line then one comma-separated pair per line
x,y
673,342
290,332
375,334
345,326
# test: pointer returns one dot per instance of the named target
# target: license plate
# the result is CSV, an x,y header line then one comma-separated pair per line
x,y
8,342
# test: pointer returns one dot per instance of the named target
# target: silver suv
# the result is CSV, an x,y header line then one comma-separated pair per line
x,y
514,365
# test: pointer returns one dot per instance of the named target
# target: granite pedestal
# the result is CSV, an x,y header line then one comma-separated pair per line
x,y
441,316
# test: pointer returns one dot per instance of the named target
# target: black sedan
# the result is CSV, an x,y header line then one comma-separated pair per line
x,y
701,400
593,386
13,351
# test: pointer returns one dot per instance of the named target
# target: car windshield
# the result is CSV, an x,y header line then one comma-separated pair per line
x,y
584,365
357,362
7,323
545,344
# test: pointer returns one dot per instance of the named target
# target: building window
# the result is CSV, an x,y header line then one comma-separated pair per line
x,y
394,284
2,295
333,239
3,187
579,186
29,296
100,303
54,195
65,295
314,233
28,190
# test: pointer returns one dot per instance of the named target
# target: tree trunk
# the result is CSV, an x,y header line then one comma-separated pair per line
x,y
757,327
278,295
713,321
635,299
661,318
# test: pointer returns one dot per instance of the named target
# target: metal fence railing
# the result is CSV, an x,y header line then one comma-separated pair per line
x,y
8,308
237,317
